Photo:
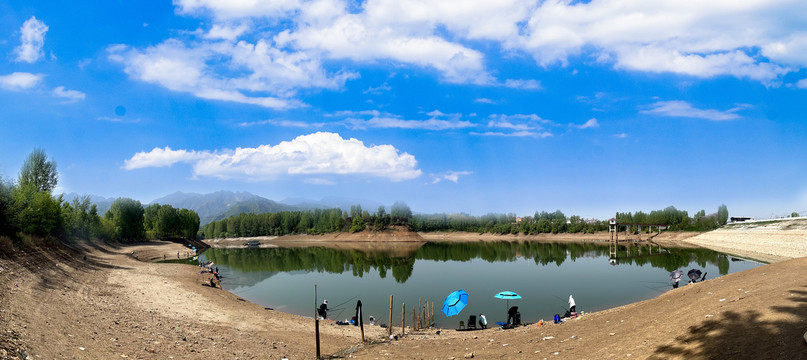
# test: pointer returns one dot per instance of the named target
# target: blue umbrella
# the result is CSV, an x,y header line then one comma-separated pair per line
x,y
455,302
507,295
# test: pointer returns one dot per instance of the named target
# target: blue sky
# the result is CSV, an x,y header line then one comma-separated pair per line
x,y
451,106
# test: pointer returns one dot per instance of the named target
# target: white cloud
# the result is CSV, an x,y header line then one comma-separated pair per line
x,y
484,101
319,153
517,125
18,81
685,109
523,84
291,41
376,119
685,37
453,176
319,181
621,136
271,76
591,123
68,95
390,122
802,84
284,123
521,133
377,90
162,157
226,32
32,38
236,9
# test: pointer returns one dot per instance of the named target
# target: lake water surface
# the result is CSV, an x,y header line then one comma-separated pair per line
x,y
543,274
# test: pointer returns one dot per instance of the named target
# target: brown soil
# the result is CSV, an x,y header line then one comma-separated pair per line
x,y
56,304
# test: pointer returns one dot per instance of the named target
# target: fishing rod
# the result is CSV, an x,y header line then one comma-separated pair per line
x,y
341,310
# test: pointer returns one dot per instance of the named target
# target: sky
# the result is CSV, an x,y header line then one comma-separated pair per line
x,y
506,106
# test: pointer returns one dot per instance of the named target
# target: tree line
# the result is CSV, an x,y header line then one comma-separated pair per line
x,y
317,221
336,220
30,214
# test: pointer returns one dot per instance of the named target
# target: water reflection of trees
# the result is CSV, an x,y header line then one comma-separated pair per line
x,y
328,260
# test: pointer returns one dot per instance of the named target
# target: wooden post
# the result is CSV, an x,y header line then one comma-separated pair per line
x,y
432,313
414,323
426,315
403,321
316,321
389,329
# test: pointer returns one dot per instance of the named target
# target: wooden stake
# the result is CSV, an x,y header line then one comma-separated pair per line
x,y
403,322
316,321
389,329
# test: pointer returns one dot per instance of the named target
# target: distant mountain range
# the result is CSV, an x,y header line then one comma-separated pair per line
x,y
223,204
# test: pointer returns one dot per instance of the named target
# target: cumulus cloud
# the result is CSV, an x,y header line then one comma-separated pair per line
x,y
453,176
591,123
19,81
68,95
685,109
320,153
802,84
672,36
265,52
263,68
32,38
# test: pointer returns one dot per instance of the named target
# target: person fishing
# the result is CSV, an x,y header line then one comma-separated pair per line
x,y
323,309
512,314
483,321
572,306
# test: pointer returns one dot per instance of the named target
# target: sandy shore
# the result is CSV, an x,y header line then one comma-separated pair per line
x,y
101,303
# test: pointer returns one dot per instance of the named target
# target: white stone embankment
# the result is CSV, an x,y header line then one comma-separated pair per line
x,y
769,241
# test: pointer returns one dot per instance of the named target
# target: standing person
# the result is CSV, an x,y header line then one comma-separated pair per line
x,y
571,304
483,321
323,309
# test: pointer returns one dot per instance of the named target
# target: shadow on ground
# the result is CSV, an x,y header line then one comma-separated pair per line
x,y
745,335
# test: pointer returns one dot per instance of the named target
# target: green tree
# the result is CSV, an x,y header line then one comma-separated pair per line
x,y
722,214
188,223
400,213
40,172
126,217
794,214
36,212
8,226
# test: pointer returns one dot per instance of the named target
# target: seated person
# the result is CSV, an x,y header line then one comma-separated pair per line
x,y
511,315
483,321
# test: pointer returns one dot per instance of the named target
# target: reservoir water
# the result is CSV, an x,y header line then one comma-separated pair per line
x,y
543,274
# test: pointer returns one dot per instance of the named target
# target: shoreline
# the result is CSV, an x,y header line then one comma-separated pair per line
x,y
126,307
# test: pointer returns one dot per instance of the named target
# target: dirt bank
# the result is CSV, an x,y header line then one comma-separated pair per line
x,y
102,303
55,304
